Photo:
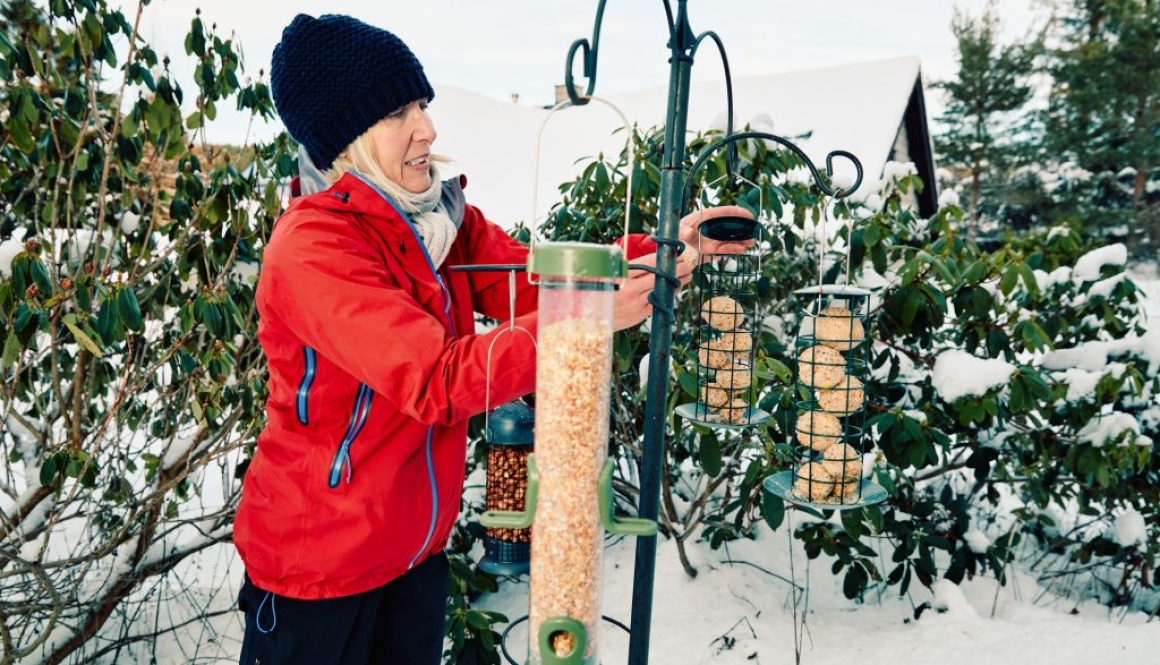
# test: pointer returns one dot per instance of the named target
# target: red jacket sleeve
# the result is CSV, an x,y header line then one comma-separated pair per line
x,y
488,243
330,288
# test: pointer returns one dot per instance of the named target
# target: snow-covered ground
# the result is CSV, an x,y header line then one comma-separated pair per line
x,y
741,613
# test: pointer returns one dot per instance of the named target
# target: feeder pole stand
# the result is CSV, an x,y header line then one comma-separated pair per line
x,y
681,44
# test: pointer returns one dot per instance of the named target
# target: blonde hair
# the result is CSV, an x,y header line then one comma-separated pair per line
x,y
361,156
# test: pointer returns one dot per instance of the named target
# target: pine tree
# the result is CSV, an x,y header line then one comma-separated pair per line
x,y
1105,104
991,86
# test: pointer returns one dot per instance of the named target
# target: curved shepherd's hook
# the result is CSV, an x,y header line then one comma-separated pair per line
x,y
591,53
837,193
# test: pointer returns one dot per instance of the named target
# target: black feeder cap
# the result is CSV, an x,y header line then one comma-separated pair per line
x,y
511,424
729,229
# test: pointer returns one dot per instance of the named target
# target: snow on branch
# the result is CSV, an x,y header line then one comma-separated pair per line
x,y
960,374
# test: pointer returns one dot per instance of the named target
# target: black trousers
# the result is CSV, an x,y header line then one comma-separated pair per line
x,y
400,623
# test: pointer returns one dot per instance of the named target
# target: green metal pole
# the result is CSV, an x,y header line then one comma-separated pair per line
x,y
661,335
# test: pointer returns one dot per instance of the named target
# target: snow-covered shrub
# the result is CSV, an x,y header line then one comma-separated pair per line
x,y
1010,387
131,378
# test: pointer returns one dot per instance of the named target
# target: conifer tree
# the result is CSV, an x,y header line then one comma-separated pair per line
x,y
1105,104
991,86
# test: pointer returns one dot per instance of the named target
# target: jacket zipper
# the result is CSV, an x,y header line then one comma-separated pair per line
x,y
451,324
358,418
311,365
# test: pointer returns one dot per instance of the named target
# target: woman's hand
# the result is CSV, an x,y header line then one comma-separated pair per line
x,y
631,305
689,231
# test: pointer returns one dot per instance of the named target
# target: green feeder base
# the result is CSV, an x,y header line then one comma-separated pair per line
x,y
504,558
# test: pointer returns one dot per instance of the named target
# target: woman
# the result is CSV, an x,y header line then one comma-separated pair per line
x,y
374,365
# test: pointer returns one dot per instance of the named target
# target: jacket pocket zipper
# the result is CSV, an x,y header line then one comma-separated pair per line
x,y
303,397
434,501
358,418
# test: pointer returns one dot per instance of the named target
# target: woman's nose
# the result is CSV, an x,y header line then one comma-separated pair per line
x,y
424,128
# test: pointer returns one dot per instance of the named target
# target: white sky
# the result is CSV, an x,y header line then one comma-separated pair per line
x,y
500,47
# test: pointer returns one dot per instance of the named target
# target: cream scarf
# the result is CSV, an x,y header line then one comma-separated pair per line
x,y
427,213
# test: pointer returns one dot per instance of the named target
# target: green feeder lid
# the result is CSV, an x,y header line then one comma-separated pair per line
x,y
511,424
577,259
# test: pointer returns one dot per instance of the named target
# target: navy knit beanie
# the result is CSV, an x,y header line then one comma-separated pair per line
x,y
334,77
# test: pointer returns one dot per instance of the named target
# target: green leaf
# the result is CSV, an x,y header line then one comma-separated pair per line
x,y
107,319
82,339
773,509
773,368
688,382
128,309
48,471
84,294
852,522
910,308
1029,280
1008,280
477,619
11,349
710,455
854,581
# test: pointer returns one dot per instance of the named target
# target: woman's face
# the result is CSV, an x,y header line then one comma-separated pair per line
x,y
403,146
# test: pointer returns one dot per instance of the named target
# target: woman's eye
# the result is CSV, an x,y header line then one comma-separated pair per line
x,y
397,113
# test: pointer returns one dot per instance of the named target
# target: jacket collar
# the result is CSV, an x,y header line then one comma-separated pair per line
x,y
352,195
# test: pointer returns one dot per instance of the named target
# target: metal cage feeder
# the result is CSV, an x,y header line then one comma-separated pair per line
x,y
509,437
832,368
728,310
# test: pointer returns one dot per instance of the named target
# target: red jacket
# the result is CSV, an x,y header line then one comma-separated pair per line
x,y
374,371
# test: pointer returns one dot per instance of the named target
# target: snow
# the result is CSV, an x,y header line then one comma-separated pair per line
x,y
1093,356
494,142
1104,287
1082,383
977,541
915,415
948,597
1088,267
898,171
9,249
177,450
948,197
1129,528
736,614
130,222
960,374
1110,427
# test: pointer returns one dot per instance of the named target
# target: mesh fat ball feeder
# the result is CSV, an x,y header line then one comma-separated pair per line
x,y
832,360
727,306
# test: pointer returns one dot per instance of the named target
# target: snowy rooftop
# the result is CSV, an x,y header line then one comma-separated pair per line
x,y
856,107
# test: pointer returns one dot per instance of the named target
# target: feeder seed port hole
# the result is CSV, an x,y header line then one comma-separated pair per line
x,y
504,636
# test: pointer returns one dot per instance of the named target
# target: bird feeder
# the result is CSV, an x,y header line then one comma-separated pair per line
x,y
509,436
832,360
832,369
727,303
569,495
